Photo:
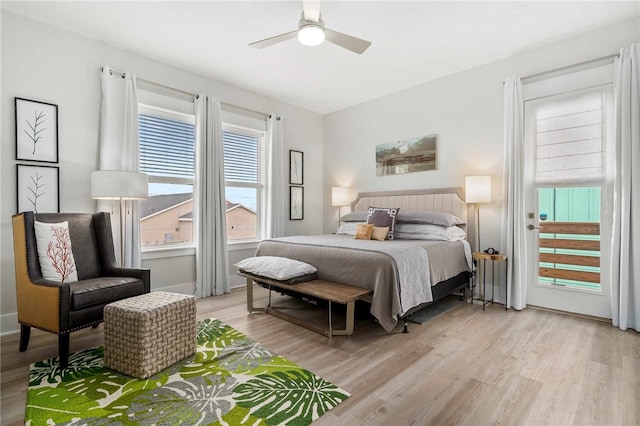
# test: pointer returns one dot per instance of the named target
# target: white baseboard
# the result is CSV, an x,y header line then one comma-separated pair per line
x,y
236,281
9,322
184,288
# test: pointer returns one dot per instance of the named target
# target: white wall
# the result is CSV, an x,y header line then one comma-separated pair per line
x,y
44,63
464,109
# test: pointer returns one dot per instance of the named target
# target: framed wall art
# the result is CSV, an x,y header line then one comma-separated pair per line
x,y
407,156
38,188
296,203
36,131
296,167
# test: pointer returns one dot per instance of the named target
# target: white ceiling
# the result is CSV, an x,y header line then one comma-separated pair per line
x,y
412,42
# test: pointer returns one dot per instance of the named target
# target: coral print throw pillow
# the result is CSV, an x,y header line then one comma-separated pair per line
x,y
54,252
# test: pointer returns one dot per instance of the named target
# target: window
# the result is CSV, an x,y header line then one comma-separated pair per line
x,y
243,174
167,155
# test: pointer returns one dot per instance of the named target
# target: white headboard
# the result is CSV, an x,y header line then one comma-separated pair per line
x,y
448,200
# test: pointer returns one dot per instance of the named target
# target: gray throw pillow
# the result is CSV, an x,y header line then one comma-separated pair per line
x,y
435,218
383,216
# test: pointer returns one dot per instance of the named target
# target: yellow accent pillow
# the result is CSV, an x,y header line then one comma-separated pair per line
x,y
379,233
363,231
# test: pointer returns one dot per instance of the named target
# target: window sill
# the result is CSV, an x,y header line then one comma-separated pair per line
x,y
161,253
243,245
165,252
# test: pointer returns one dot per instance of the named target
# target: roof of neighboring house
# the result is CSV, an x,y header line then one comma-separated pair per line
x,y
158,203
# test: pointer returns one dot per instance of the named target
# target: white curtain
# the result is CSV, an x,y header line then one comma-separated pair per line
x,y
625,245
513,210
212,264
119,145
275,211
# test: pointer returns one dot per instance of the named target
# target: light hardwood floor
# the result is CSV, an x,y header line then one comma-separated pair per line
x,y
465,366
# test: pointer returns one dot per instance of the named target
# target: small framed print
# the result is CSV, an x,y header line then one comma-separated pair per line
x,y
38,188
296,203
36,131
296,167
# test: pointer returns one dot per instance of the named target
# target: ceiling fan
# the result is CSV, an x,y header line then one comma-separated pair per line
x,y
312,32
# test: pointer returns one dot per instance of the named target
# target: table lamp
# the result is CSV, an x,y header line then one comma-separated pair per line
x,y
477,191
339,198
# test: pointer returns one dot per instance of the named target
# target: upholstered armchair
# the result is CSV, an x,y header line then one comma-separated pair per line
x,y
63,307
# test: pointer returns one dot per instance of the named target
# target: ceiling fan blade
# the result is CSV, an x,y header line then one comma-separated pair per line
x,y
273,40
311,10
351,43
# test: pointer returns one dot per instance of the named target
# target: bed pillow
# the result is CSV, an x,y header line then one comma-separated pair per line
x,y
417,231
363,231
383,216
54,252
435,218
348,228
277,268
379,233
354,217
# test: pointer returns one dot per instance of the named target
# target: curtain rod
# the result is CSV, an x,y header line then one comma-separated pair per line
x,y
184,92
579,64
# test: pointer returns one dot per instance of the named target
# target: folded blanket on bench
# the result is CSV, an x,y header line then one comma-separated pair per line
x,y
281,269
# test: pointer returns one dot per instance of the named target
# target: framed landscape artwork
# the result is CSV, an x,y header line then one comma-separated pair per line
x,y
38,188
296,203
296,167
407,156
36,131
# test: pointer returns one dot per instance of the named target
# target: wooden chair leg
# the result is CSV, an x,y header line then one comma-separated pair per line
x,y
63,350
25,333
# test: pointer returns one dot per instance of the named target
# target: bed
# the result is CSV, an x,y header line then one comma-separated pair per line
x,y
404,274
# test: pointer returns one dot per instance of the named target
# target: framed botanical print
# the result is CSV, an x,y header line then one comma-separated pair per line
x,y
296,203
38,188
36,131
296,167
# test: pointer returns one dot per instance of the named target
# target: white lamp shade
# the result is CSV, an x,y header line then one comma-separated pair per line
x,y
477,189
339,196
119,185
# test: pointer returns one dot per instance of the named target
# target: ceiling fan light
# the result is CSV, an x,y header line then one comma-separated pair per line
x,y
311,35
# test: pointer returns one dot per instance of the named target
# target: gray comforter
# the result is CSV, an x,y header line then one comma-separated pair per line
x,y
400,272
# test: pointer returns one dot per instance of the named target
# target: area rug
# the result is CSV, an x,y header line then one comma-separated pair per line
x,y
231,380
433,310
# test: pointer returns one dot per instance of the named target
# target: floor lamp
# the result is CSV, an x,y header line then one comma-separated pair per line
x,y
477,190
339,198
119,185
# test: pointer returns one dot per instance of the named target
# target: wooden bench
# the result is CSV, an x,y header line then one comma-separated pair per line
x,y
321,289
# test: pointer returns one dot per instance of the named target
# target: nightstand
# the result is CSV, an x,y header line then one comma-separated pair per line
x,y
493,258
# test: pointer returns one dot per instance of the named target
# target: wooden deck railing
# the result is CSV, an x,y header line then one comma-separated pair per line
x,y
568,229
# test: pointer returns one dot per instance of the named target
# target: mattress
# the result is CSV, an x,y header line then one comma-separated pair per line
x,y
400,272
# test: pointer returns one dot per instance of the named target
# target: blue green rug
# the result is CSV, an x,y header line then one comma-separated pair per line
x,y
231,380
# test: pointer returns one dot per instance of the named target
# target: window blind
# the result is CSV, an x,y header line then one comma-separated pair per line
x,y
570,139
167,147
241,157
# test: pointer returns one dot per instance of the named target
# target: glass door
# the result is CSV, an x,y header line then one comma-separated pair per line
x,y
565,188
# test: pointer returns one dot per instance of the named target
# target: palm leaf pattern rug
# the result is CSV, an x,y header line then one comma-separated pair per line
x,y
231,380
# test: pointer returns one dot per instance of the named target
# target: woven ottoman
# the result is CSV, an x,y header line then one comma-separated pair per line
x,y
146,334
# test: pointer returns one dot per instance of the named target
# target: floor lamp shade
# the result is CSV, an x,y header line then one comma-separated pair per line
x,y
119,185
